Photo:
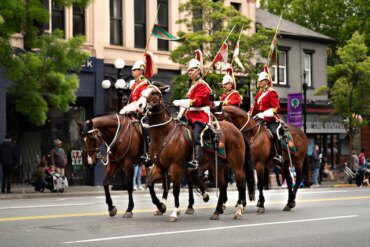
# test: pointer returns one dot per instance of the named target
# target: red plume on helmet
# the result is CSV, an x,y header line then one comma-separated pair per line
x,y
266,69
199,57
150,68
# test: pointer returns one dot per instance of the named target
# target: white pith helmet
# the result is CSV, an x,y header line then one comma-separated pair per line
x,y
139,64
227,79
194,63
263,76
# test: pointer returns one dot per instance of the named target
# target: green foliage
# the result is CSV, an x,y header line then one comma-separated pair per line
x,y
210,37
338,19
44,74
351,85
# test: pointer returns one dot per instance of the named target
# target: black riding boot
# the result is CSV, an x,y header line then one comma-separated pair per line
x,y
145,158
195,163
278,158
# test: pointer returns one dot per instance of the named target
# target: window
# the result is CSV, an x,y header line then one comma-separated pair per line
x,y
279,68
307,70
163,22
236,6
78,21
57,16
115,9
140,23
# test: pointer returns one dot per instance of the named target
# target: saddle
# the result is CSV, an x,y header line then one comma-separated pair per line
x,y
212,139
284,135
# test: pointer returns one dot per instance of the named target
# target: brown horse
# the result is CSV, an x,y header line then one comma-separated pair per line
x,y
260,146
169,150
124,143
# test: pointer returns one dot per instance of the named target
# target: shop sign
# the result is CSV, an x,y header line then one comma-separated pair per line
x,y
76,158
89,66
295,109
326,127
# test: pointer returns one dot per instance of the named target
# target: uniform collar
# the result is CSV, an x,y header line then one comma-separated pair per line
x,y
197,80
140,78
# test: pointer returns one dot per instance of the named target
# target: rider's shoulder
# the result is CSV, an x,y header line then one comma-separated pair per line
x,y
270,89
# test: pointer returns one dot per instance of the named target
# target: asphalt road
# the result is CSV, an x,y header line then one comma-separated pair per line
x,y
322,217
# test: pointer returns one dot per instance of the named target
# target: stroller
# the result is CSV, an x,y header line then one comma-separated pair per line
x,y
52,181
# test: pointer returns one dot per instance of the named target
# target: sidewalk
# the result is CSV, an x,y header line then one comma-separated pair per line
x,y
27,191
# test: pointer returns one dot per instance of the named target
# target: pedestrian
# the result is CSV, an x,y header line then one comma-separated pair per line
x,y
354,161
58,157
316,157
360,177
137,177
8,159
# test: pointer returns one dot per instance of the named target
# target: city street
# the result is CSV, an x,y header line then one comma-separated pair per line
x,y
322,217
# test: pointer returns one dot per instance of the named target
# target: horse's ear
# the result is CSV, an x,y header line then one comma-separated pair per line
x,y
163,87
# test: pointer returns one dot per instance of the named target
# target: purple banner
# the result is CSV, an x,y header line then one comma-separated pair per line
x,y
295,109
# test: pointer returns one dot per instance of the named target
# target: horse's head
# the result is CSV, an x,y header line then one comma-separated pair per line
x,y
91,139
151,100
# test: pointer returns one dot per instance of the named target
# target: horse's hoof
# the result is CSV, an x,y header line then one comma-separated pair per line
x,y
205,197
113,212
158,213
243,210
287,208
291,204
260,210
189,211
237,217
163,208
127,215
172,219
223,207
215,217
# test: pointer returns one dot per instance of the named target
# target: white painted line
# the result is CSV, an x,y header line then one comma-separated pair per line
x,y
47,206
206,229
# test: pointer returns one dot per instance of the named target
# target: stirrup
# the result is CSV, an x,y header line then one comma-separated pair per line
x,y
278,159
145,158
193,165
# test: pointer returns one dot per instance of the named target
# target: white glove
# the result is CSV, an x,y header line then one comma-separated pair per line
x,y
132,107
217,103
182,102
260,115
269,113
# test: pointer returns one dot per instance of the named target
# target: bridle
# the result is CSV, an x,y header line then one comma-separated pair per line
x,y
149,107
249,129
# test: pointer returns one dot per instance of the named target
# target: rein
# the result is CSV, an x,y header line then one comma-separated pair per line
x,y
249,129
147,126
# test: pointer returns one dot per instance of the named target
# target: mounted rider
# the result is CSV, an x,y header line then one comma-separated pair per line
x,y
230,96
141,70
266,106
198,103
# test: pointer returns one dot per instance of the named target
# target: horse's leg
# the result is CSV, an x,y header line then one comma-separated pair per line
x,y
198,183
190,209
110,170
222,187
289,181
176,179
129,168
260,168
241,185
153,176
166,186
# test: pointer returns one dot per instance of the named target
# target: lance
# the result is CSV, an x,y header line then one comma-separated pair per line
x,y
219,51
272,44
240,34
150,35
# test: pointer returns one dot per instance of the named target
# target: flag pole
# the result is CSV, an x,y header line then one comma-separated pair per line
x,y
240,34
219,51
150,35
270,52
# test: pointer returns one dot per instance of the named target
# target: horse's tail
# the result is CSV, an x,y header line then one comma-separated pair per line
x,y
306,171
248,169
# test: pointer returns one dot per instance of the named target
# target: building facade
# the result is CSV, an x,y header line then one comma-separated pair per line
x,y
302,57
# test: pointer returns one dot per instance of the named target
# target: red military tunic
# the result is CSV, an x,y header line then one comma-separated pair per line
x,y
231,98
265,100
199,93
140,85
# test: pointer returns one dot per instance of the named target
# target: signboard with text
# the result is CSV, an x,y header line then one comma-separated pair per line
x,y
294,115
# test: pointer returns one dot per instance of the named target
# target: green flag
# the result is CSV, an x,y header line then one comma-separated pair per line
x,y
160,33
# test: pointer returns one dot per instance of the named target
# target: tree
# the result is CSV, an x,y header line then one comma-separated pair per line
x,y
206,30
43,74
338,19
351,85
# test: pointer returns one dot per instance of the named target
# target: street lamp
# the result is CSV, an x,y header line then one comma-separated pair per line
x,y
120,84
305,86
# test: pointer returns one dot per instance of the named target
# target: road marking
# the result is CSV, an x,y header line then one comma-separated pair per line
x,y
208,229
37,217
50,205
